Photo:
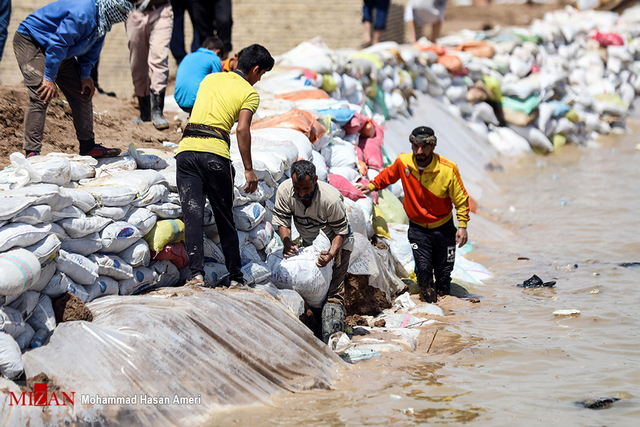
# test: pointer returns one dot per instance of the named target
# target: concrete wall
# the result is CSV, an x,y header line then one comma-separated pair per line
x,y
277,24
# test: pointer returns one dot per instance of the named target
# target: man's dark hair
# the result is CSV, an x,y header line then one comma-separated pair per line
x,y
254,55
303,168
213,43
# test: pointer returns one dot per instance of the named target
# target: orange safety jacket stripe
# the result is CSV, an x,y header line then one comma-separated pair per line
x,y
428,196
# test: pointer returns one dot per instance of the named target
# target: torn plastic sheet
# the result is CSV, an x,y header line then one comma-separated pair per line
x,y
225,347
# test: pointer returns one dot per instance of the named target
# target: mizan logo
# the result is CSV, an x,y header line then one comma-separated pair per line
x,y
40,397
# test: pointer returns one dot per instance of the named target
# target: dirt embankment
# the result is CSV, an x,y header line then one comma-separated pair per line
x,y
111,122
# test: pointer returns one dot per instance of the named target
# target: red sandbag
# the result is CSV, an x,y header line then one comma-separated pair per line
x,y
299,95
346,188
372,148
356,123
608,39
299,120
174,252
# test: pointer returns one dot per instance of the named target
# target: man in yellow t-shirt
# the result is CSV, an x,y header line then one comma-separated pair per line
x,y
203,161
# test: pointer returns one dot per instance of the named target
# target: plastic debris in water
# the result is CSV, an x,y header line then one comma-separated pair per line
x,y
563,201
597,402
567,267
566,312
536,282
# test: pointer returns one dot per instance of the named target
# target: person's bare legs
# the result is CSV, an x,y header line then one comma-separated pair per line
x,y
411,31
435,31
366,38
377,35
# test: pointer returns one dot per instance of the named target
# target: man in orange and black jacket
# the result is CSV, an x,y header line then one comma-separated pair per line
x,y
431,184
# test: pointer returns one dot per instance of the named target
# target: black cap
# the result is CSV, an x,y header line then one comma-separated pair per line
x,y
422,131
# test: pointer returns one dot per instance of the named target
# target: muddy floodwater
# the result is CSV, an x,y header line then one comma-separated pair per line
x,y
572,217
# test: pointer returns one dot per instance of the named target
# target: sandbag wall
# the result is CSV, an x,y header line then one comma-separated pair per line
x,y
566,78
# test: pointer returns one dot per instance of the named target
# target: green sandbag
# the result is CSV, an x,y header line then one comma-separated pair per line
x,y
528,105
392,207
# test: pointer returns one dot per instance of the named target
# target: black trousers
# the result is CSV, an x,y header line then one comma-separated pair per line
x,y
434,250
201,175
213,17
177,37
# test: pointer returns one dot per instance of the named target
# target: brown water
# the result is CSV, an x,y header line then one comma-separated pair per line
x,y
509,361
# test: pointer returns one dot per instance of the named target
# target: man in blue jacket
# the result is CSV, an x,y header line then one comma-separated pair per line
x,y
57,46
194,68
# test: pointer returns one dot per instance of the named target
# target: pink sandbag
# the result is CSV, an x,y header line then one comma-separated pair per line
x,y
346,188
360,154
356,123
608,39
174,252
372,148
374,194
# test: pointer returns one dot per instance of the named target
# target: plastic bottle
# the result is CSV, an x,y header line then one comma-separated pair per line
x,y
39,338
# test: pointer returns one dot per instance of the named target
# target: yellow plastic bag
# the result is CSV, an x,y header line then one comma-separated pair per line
x,y
380,227
165,232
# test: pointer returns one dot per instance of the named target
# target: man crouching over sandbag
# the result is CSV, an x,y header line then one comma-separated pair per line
x,y
317,206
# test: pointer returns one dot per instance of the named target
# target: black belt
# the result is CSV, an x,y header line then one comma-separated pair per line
x,y
197,130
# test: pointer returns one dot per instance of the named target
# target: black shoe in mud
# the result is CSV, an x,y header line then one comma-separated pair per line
x,y
428,295
536,282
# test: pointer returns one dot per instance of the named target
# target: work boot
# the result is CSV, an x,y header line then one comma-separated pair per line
x,y
157,106
332,320
144,102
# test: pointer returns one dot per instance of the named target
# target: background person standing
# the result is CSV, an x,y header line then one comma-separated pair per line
x,y
213,17
381,8
149,28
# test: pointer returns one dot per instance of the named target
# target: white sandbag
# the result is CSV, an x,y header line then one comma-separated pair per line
x,y
24,339
262,193
170,175
80,227
255,272
321,166
68,212
52,169
248,252
85,246
137,254
212,253
82,167
165,210
113,195
26,303
484,112
508,142
141,218
119,236
356,216
340,154
80,198
111,165
214,273
80,291
45,194
103,286
260,235
456,93
537,139
299,139
58,285
79,268
115,213
46,273
143,278
401,249
11,321
12,206
34,215
248,216
20,271
154,194
11,366
301,273
167,274
349,173
113,266
46,248
43,316
22,235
